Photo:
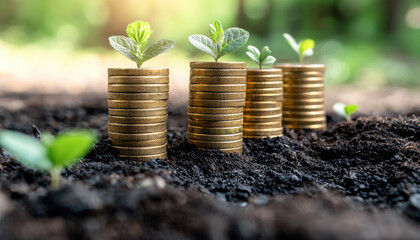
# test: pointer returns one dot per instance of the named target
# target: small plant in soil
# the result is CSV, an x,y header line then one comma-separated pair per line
x,y
260,57
304,48
134,47
345,110
220,42
50,154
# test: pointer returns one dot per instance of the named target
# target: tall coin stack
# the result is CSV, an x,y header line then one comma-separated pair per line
x,y
303,105
216,101
138,112
263,107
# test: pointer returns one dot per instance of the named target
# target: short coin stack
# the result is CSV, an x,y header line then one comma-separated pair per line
x,y
303,105
216,101
138,112
263,107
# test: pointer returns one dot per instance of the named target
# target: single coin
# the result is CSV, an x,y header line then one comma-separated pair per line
x,y
217,72
237,150
203,123
144,158
265,118
303,87
216,145
136,137
146,143
139,151
137,120
299,95
215,117
303,74
301,80
300,67
260,126
137,104
265,78
262,112
257,85
137,128
298,101
264,72
263,104
151,112
320,127
306,120
206,110
218,88
215,131
264,90
303,113
217,138
217,65
218,80
216,104
138,71
218,96
313,107
261,137
138,96
136,88
264,97
138,79
263,132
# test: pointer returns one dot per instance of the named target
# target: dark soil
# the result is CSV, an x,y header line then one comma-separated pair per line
x,y
359,179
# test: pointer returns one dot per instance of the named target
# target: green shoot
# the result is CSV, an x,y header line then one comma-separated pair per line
x,y
345,110
260,57
221,42
50,154
304,48
134,46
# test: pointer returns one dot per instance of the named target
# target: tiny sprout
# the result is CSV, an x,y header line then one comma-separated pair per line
x,y
260,58
50,154
345,110
134,46
303,48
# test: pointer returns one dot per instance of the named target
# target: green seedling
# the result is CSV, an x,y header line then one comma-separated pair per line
x,y
304,48
345,110
221,42
134,47
260,57
50,154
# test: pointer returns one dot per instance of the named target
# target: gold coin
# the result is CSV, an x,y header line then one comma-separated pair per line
x,y
207,110
306,120
137,120
138,79
139,104
138,71
218,80
144,158
264,97
217,96
266,78
288,76
217,72
263,132
260,126
291,101
216,104
263,104
203,123
237,150
320,127
264,91
136,128
218,88
138,96
136,137
140,151
254,85
218,65
216,145
303,87
215,131
264,72
312,107
215,117
151,112
262,112
136,88
217,138
146,143
261,137
302,80
301,95
266,118
303,113
300,67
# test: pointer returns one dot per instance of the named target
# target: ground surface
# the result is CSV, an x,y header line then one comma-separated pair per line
x,y
356,180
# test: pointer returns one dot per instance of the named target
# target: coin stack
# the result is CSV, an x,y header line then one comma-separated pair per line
x,y
303,104
263,107
138,112
216,101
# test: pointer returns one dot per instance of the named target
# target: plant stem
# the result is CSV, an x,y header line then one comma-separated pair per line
x,y
348,118
301,59
260,66
55,178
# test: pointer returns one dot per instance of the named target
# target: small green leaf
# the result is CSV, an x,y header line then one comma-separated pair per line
x,y
47,139
125,46
305,45
70,146
265,52
254,54
269,60
350,109
234,38
26,149
253,57
139,31
203,43
157,48
216,32
292,42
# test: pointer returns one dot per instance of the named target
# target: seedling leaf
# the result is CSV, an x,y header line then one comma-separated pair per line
x,y
157,48
234,38
265,52
139,31
350,109
345,110
216,32
268,60
125,46
305,45
204,44
261,58
303,48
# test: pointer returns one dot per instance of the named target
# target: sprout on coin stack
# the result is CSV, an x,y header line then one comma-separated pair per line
x,y
217,91
138,97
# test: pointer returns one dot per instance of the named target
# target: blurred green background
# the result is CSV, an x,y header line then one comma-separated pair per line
x,y
362,42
